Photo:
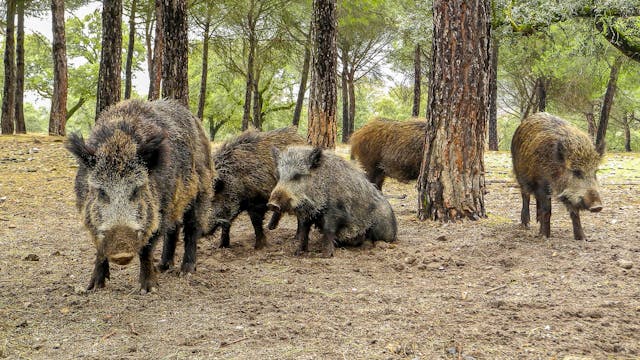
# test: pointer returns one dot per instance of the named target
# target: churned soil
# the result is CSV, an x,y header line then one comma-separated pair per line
x,y
487,289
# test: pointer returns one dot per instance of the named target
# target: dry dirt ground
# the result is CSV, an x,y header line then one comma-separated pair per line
x,y
471,290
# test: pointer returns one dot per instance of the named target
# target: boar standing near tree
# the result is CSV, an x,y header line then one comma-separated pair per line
x,y
550,156
144,173
324,190
246,174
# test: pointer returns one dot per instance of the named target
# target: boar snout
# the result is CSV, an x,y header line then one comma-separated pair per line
x,y
120,244
279,201
592,201
273,207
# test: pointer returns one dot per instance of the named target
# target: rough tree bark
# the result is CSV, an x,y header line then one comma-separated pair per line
x,y
110,56
9,92
321,131
607,103
155,71
591,126
21,127
417,80
58,117
303,82
205,69
451,184
345,97
493,99
351,85
257,103
246,112
175,77
129,62
626,123
541,94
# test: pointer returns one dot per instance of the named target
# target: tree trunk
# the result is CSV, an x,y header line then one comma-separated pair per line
x,y
352,100
591,126
607,103
205,70
214,127
345,97
493,98
58,117
541,94
129,63
175,77
257,103
451,184
155,71
9,93
321,130
303,82
417,80
148,39
626,122
21,127
246,112
110,57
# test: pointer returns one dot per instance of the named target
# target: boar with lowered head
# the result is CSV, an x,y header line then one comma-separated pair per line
x,y
324,190
144,172
245,176
551,157
389,148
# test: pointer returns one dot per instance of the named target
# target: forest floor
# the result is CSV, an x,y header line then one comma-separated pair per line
x,y
471,290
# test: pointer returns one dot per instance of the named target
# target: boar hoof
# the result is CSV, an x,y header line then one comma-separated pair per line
x,y
151,290
300,252
260,244
96,284
188,268
149,286
162,267
327,253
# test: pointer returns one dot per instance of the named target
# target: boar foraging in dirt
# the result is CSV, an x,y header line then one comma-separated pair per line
x,y
324,190
246,174
552,157
389,148
144,172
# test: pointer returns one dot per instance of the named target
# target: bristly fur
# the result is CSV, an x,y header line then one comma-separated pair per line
x,y
390,148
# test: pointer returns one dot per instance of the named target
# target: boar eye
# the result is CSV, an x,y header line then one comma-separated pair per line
x,y
135,193
579,174
296,177
102,195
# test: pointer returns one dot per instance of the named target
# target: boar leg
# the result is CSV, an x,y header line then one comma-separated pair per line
x,y
328,242
192,233
100,273
148,275
275,220
376,176
225,229
525,218
302,235
169,249
543,206
257,217
578,234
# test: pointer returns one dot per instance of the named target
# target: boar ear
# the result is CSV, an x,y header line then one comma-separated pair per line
x,y
315,157
559,152
218,185
275,153
85,154
151,151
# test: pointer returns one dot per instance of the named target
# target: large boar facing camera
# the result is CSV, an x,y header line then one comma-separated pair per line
x,y
552,157
144,172
324,190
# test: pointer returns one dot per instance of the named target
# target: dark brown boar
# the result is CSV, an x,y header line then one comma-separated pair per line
x,y
144,173
322,189
389,148
550,156
246,174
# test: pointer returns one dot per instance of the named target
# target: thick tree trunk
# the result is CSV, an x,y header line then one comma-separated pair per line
x,y
21,127
205,69
175,77
110,57
451,184
626,123
7,119
493,98
155,71
541,94
345,97
246,111
417,80
607,103
58,117
591,126
129,63
351,85
303,82
148,38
